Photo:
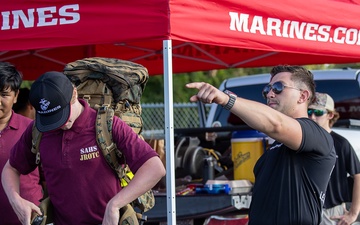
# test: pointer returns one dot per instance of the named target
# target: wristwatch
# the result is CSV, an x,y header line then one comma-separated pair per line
x,y
232,99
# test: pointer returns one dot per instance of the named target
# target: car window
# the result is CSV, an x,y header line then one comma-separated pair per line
x,y
346,94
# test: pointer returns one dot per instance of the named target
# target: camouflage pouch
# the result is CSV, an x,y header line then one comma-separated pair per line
x,y
128,216
145,202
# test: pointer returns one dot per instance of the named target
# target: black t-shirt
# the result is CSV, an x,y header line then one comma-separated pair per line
x,y
347,163
290,185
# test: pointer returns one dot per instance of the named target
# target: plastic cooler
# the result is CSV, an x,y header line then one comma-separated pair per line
x,y
246,148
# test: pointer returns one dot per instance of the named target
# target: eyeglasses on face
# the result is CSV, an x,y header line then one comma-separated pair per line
x,y
316,112
276,87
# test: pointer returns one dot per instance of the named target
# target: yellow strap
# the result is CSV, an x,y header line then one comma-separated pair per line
x,y
125,181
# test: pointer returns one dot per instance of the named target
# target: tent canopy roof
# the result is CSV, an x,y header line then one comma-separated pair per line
x,y
42,35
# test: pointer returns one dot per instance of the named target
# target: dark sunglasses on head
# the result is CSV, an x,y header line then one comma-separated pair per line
x,y
276,87
317,112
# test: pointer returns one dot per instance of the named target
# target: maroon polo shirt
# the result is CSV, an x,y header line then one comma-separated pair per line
x,y
79,180
29,184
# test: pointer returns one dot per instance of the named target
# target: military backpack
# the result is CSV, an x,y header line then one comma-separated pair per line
x,y
113,87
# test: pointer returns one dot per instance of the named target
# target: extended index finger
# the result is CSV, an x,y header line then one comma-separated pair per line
x,y
196,85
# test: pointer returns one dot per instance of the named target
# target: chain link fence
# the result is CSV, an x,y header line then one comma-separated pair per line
x,y
186,115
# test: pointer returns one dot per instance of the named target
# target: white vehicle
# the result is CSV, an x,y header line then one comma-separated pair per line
x,y
343,85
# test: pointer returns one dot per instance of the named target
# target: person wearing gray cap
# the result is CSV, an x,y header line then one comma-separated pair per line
x,y
323,112
81,185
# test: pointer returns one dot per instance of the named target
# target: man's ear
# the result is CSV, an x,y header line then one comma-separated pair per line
x,y
304,96
330,115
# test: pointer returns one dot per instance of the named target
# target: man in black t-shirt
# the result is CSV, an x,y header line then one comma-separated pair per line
x,y
323,112
292,175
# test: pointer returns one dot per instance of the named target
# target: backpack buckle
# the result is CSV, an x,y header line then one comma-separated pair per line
x,y
37,160
103,109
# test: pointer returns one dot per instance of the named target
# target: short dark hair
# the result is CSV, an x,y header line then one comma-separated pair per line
x,y
301,77
22,100
10,77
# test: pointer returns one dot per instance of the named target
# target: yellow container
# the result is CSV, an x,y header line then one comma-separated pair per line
x,y
246,148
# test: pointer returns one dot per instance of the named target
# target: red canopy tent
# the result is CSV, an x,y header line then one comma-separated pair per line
x,y
41,36
170,36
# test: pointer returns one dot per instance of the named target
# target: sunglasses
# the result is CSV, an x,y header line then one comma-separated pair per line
x,y
276,87
316,112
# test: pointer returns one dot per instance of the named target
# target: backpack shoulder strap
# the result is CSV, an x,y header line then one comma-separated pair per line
x,y
36,138
112,154
104,121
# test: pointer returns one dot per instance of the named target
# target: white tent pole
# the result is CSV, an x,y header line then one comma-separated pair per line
x,y
169,133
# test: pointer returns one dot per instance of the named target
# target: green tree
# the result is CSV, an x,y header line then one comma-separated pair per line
x,y
154,91
26,84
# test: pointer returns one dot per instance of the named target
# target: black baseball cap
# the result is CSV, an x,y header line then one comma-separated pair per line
x,y
50,95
